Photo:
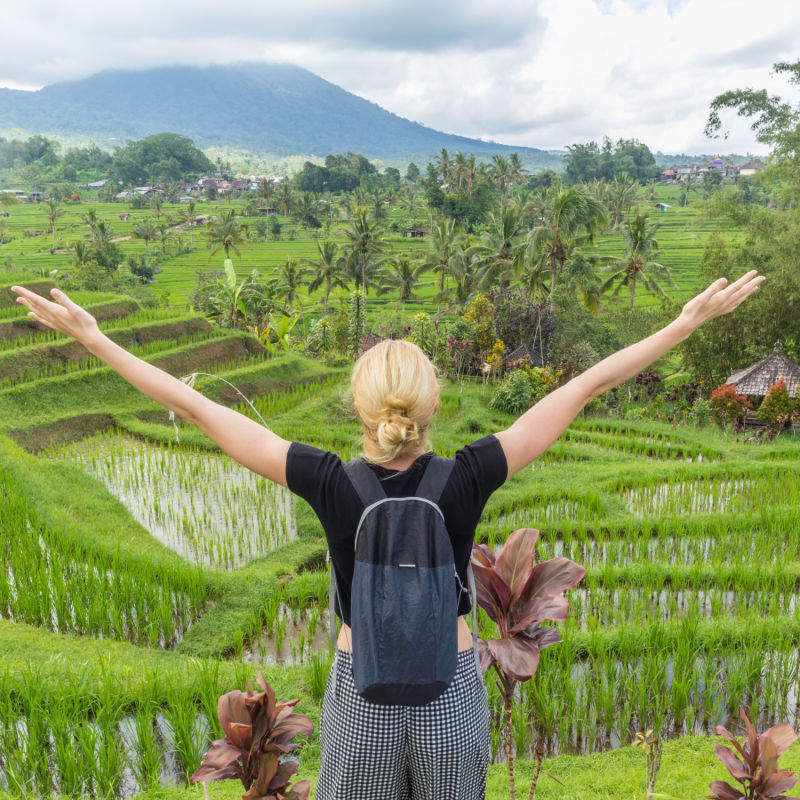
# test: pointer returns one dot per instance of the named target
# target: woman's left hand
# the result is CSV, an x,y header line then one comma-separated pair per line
x,y
719,299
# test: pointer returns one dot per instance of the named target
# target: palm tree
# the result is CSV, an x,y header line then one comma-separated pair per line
x,y
266,190
501,173
145,229
225,233
53,212
285,197
580,276
404,276
188,217
364,241
164,234
81,253
620,195
307,207
290,277
571,217
445,167
90,219
156,201
442,245
103,232
462,269
637,265
408,200
500,255
328,269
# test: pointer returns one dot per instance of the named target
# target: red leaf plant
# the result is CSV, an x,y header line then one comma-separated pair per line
x,y
258,731
756,766
518,594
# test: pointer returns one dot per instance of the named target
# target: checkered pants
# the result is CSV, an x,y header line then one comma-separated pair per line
x,y
439,751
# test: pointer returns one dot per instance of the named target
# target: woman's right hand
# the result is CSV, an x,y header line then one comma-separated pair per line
x,y
63,315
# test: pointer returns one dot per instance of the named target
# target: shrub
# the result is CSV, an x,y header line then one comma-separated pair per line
x,y
515,394
524,387
648,384
727,405
777,407
700,411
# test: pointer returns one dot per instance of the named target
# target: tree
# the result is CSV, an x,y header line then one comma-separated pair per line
x,y
156,203
328,269
500,255
774,121
81,253
164,234
53,211
162,157
225,233
571,216
412,172
620,195
586,162
308,206
442,241
364,242
146,230
188,217
285,198
405,277
90,219
637,265
265,190
291,277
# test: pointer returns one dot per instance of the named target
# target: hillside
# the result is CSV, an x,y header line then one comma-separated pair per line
x,y
274,108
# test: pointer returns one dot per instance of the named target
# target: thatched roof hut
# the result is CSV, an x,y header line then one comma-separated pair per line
x,y
757,379
526,351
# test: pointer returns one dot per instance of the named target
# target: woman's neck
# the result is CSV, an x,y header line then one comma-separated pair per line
x,y
401,463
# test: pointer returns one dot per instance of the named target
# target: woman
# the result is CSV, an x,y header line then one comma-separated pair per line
x,y
369,751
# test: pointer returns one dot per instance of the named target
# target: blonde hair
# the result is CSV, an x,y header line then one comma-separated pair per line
x,y
396,393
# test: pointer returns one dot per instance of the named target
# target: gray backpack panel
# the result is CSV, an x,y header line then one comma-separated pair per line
x,y
403,606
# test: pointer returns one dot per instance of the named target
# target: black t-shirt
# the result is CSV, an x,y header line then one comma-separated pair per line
x,y
319,478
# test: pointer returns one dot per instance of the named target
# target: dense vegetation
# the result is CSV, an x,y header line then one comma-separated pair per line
x,y
131,601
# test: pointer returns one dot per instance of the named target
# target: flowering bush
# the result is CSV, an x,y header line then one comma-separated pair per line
x,y
524,387
778,406
727,405
647,385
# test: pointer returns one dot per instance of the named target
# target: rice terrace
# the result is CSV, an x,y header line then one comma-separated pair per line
x,y
144,573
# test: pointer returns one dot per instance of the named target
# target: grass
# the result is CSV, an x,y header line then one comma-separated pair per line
x,y
675,601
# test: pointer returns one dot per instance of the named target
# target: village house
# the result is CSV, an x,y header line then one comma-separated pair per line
x,y
756,379
682,173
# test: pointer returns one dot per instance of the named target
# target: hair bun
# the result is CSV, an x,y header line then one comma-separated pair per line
x,y
396,431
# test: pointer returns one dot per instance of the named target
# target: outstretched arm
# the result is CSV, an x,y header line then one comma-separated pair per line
x,y
541,425
250,443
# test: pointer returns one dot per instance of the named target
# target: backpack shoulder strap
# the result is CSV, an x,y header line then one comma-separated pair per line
x,y
435,477
365,482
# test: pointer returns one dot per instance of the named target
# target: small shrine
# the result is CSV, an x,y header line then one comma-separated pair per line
x,y
757,379
534,356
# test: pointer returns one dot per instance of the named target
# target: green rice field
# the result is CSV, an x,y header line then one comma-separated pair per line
x,y
143,573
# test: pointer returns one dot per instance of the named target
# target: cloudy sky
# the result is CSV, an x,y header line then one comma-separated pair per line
x,y
541,73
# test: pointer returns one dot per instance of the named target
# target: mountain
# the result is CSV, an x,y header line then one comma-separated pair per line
x,y
270,108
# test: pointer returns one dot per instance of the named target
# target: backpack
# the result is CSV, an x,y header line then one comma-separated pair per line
x,y
403,603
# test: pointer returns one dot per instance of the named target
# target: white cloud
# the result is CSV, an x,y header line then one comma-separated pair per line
x,y
541,73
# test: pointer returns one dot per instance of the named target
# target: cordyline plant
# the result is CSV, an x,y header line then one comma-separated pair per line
x,y
518,594
757,769
258,731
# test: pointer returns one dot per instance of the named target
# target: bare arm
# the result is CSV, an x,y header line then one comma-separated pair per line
x,y
250,443
540,426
